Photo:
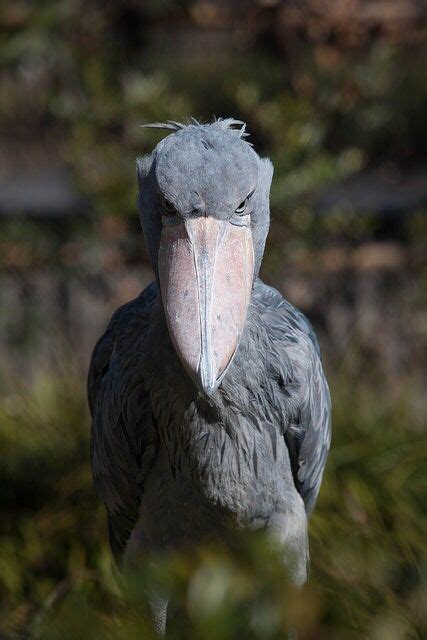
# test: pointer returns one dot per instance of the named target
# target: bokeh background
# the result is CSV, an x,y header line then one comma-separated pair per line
x,y
335,92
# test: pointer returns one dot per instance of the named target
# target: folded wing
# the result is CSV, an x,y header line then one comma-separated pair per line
x,y
308,435
124,441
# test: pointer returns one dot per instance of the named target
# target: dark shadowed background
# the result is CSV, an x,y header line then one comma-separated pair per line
x,y
336,94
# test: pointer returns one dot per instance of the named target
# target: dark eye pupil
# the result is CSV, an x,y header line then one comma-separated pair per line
x,y
242,206
168,206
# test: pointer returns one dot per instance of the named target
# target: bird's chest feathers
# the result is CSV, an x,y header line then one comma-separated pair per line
x,y
231,451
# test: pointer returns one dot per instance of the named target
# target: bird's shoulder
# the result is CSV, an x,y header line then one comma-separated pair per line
x,y
134,311
285,322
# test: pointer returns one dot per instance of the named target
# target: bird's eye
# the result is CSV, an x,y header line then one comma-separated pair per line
x,y
168,207
242,206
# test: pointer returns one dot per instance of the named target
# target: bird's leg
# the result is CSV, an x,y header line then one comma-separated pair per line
x,y
289,529
159,605
157,596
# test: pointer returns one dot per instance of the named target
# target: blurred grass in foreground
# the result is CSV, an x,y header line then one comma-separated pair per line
x,y
367,534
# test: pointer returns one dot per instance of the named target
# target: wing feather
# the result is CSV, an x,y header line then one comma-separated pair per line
x,y
313,434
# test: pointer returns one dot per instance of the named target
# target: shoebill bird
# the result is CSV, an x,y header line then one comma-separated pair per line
x,y
210,409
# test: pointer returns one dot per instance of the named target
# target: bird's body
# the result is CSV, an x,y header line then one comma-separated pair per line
x,y
174,465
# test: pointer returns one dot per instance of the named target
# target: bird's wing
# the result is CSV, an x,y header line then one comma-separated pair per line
x,y
308,437
123,443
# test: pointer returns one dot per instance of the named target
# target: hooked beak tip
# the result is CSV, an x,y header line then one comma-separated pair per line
x,y
207,383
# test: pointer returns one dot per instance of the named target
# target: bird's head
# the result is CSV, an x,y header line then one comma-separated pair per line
x,y
204,207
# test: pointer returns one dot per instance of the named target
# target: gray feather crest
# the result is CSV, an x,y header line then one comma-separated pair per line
x,y
223,123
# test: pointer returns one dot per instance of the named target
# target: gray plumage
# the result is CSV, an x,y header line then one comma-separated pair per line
x,y
171,465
